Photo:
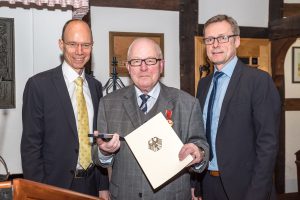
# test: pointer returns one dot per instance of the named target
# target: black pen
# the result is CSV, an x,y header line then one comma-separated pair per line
x,y
106,136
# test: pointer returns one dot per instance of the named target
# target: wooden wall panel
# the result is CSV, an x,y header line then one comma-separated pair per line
x,y
291,9
188,24
292,104
250,50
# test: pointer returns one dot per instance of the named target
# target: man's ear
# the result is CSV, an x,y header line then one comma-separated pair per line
x,y
128,67
237,41
161,66
61,44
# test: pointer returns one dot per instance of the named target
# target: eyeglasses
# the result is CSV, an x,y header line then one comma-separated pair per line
x,y
148,61
220,39
74,45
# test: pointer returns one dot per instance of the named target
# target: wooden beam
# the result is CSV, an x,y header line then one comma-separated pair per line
x,y
275,10
291,9
188,23
285,27
292,104
143,4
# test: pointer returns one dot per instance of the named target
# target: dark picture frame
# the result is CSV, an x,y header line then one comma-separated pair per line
x,y
295,64
7,64
119,43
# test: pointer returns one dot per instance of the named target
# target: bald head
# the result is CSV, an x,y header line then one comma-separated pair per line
x,y
146,75
75,22
144,43
76,44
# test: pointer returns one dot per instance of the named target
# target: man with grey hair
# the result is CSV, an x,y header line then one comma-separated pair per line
x,y
126,109
241,111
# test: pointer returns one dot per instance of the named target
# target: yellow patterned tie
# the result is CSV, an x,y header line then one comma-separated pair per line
x,y
83,126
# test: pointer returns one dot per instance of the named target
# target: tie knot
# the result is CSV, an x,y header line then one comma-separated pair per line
x,y
79,81
218,74
144,97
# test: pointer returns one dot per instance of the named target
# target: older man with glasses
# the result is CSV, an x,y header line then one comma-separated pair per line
x,y
126,109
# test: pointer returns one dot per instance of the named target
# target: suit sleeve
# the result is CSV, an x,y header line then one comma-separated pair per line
x,y
102,127
197,135
33,130
266,120
101,172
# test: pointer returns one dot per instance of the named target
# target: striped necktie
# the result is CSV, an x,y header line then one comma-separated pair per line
x,y
82,126
143,105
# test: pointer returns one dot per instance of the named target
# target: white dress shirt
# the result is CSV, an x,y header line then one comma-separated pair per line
x,y
70,75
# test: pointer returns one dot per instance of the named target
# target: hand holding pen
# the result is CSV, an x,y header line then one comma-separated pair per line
x,y
108,146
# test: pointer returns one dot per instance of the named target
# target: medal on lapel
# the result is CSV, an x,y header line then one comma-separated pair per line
x,y
169,117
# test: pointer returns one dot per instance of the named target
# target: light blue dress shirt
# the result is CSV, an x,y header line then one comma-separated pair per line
x,y
223,82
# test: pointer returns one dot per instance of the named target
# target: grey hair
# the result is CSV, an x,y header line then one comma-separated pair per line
x,y
219,18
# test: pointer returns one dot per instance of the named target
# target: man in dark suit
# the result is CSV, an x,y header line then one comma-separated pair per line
x,y
125,110
50,145
241,111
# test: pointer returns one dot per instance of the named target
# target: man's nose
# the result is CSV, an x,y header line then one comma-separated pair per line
x,y
143,66
215,43
78,49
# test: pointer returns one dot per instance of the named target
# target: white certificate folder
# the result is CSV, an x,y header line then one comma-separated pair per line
x,y
156,147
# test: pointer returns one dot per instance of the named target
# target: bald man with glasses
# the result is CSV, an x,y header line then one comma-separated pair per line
x,y
59,110
126,109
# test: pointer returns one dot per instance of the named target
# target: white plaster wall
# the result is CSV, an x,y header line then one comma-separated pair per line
x,y
292,145
253,13
35,50
105,19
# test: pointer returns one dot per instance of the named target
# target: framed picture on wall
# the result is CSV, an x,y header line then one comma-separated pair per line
x,y
119,43
7,64
296,64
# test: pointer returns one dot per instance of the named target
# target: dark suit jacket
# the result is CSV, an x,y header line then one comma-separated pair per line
x,y
119,112
49,145
247,135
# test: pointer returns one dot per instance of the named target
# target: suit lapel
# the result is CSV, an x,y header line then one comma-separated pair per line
x,y
92,90
94,95
60,84
130,106
165,99
204,92
233,84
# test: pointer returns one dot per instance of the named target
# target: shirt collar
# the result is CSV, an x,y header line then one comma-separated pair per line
x,y
70,74
229,67
153,93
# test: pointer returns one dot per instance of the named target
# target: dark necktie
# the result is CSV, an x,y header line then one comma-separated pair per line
x,y
217,75
143,105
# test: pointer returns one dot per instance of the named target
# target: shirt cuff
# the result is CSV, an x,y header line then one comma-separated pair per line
x,y
105,159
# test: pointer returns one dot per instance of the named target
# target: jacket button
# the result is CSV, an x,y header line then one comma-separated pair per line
x,y
140,195
72,171
76,151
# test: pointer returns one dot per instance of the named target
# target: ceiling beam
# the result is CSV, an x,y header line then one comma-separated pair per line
x,y
291,9
285,27
172,5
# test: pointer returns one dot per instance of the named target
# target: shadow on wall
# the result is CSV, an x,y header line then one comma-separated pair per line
x,y
3,121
